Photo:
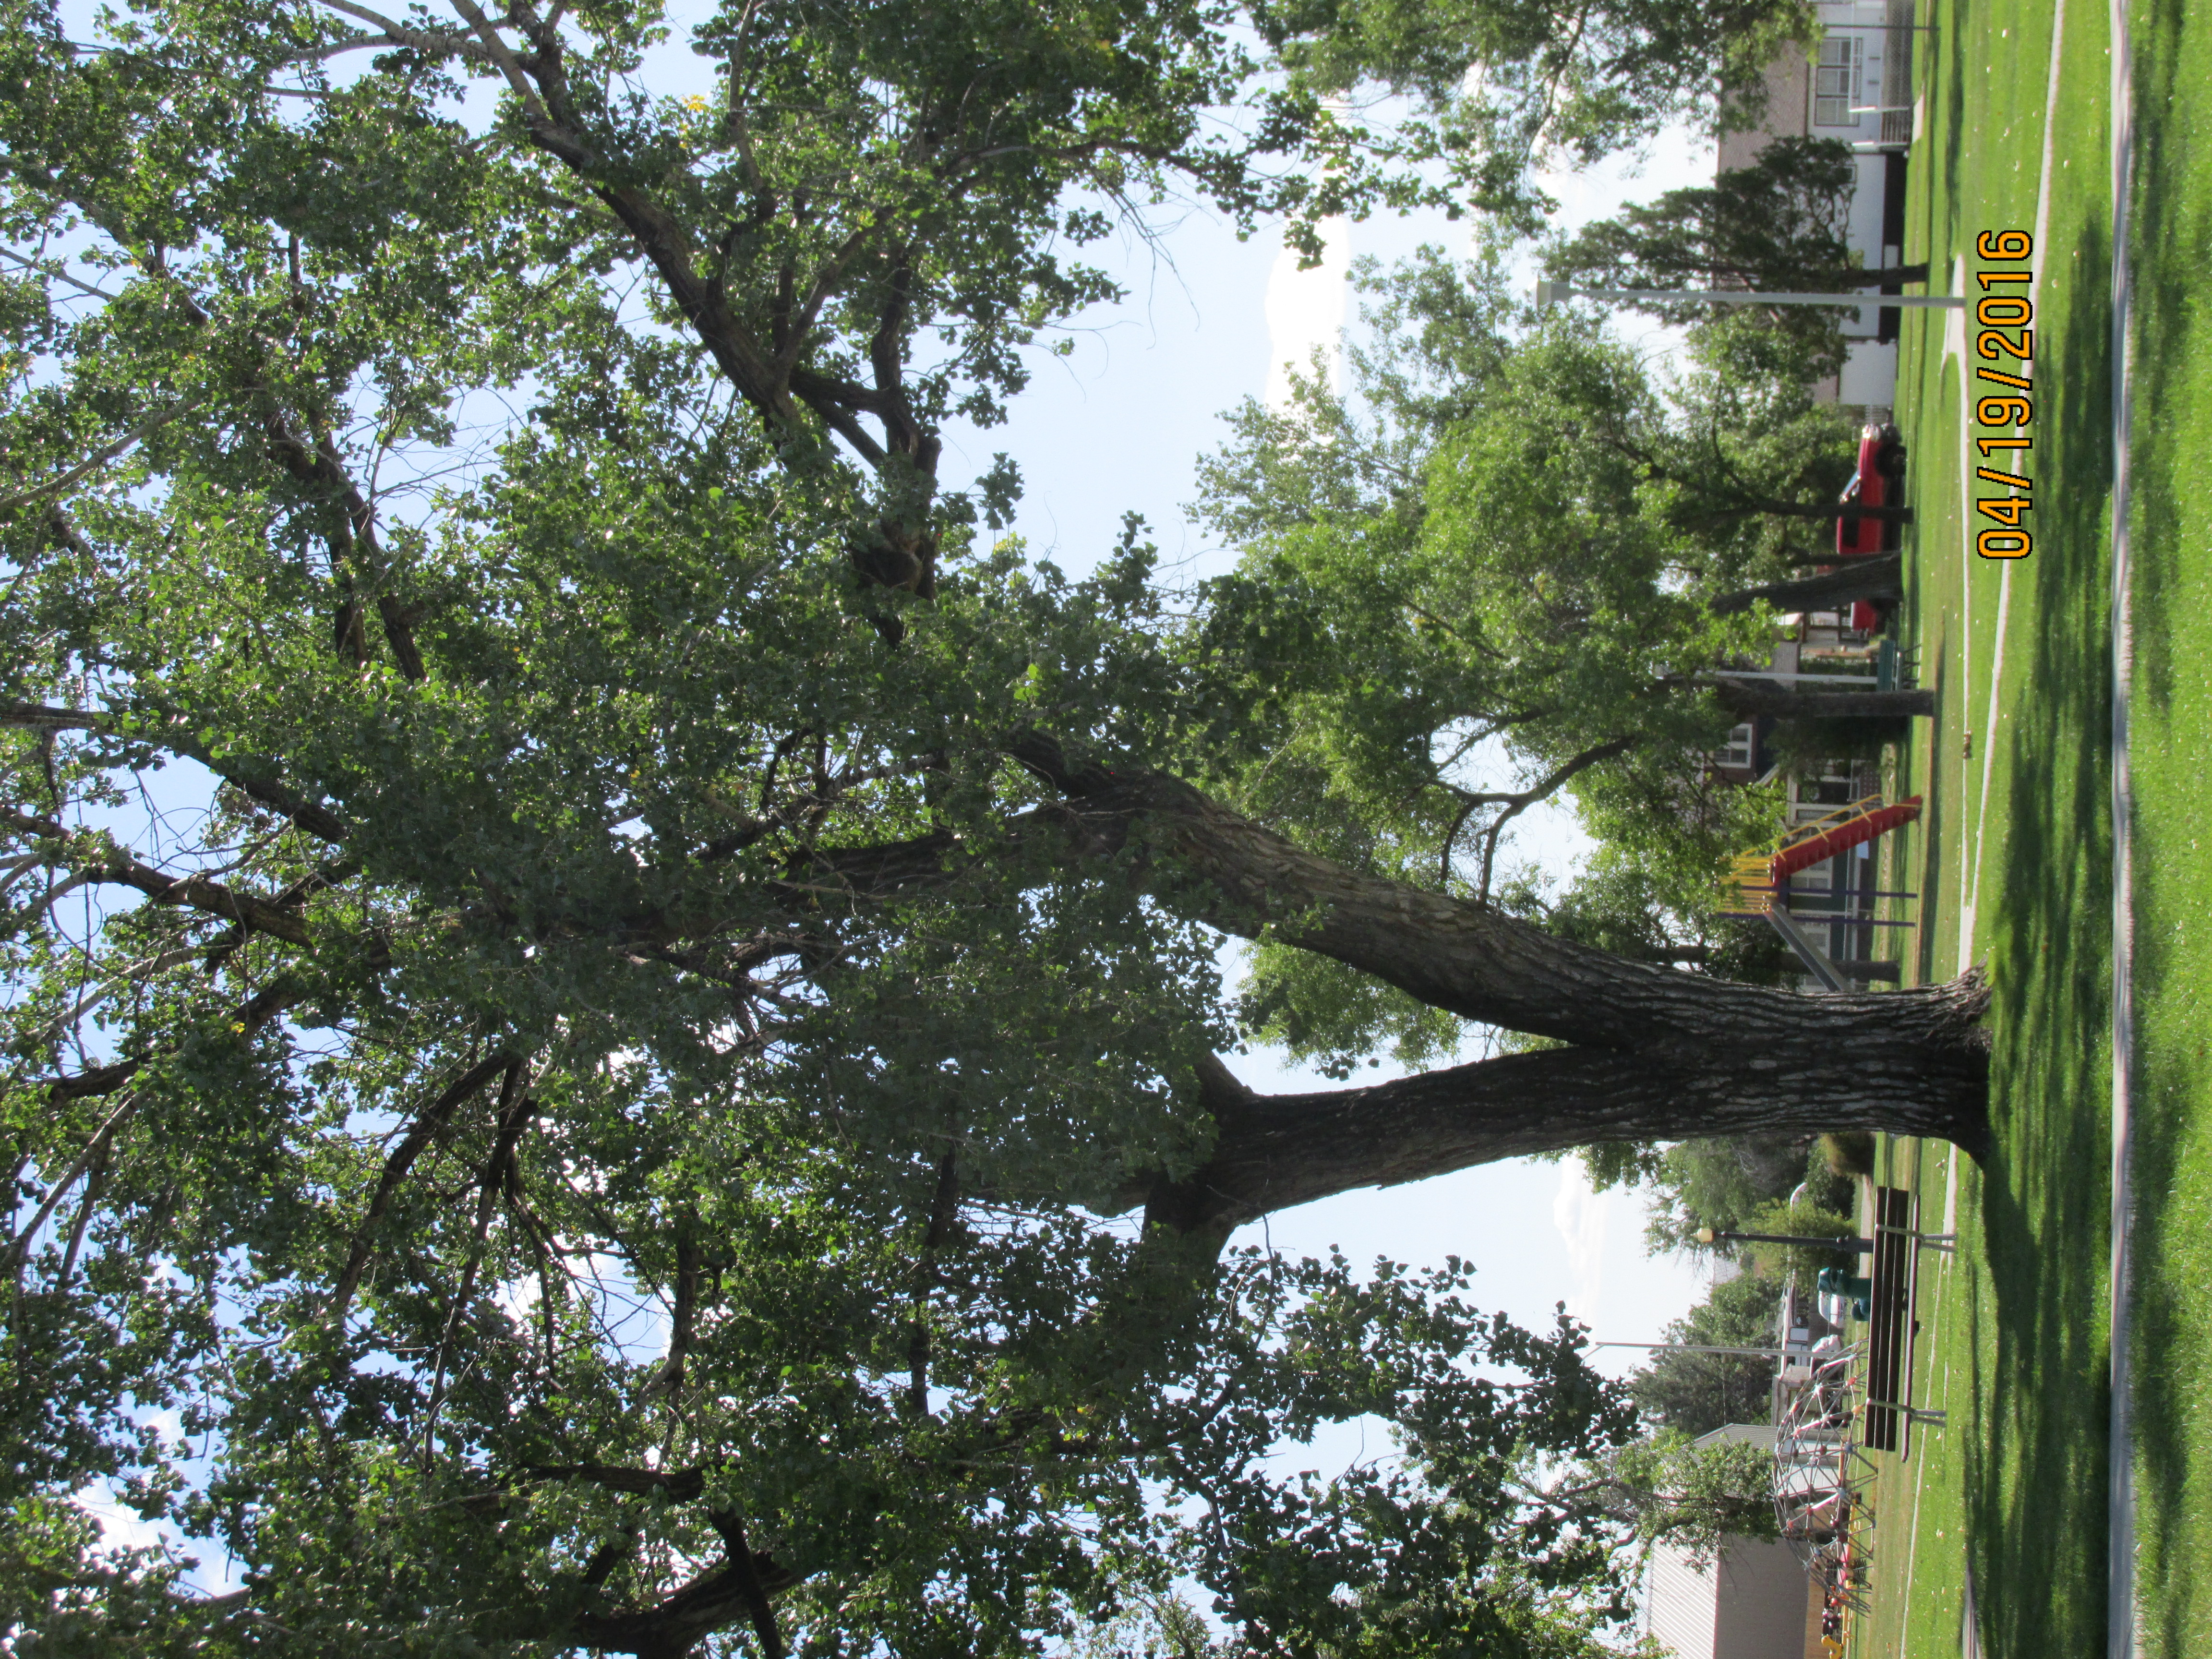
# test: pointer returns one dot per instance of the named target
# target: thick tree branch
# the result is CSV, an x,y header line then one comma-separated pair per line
x,y
515,1112
740,1591
95,1150
247,778
683,1302
1912,1069
1516,804
944,1210
1236,875
247,1019
253,782
316,465
193,892
432,1119
682,1485
99,862
100,458
732,1528
1218,866
36,717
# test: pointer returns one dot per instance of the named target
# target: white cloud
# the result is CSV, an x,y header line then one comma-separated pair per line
x,y
1580,1212
121,1527
1306,310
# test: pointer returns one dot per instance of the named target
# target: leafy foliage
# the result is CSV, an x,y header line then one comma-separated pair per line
x,y
496,1176
1723,1184
1504,85
1807,1217
1777,224
1495,567
1698,1497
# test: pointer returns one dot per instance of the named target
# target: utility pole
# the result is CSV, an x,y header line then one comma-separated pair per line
x,y
1550,293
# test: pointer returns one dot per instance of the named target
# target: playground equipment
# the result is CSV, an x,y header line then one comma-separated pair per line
x,y
1756,885
1755,880
1838,1401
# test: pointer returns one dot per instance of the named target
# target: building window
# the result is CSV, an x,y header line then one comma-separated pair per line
x,y
1836,81
1737,753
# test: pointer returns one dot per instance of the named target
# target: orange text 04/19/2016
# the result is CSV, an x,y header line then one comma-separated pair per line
x,y
2003,312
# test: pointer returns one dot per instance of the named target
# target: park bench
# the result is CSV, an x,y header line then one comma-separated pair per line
x,y
1891,1324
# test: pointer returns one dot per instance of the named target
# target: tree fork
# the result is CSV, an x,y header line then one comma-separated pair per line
x,y
1661,1054
1276,1151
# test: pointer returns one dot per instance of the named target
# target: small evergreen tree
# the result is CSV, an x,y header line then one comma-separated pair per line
x,y
1693,1393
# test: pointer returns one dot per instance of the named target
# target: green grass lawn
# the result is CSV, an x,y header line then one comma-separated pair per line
x,y
2013,862
2171,719
2015,1338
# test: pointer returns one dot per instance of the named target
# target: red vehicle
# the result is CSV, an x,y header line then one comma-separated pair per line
x,y
1879,482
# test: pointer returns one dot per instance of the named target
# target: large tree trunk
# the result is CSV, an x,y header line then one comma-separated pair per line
x,y
1661,1054
1904,1062
1848,510
1861,276
1880,580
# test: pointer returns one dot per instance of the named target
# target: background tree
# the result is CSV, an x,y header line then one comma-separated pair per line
x,y
1780,223
1519,557
1693,1394
1810,1213
1728,1185
1698,1497
1502,86
1666,1488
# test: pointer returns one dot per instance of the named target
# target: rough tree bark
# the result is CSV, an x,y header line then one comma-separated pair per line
x,y
1907,1061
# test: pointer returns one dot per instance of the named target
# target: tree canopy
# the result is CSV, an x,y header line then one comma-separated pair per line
x,y
1779,223
615,1013
1502,84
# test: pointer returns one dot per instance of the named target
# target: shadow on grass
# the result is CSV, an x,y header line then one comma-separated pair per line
x,y
1935,658
2172,240
2172,237
2036,1477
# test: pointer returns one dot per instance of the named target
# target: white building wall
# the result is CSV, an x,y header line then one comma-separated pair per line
x,y
1762,1594
1843,96
1869,375
1750,1605
1683,1603
1852,81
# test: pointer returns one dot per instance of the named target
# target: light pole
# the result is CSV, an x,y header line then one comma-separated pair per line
x,y
1549,293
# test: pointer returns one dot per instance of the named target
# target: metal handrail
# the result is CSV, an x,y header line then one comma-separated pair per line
x,y
1864,806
